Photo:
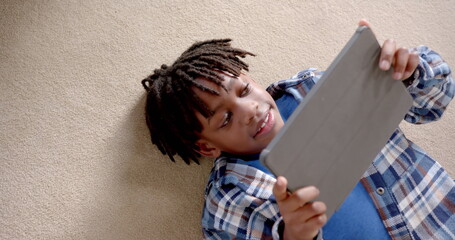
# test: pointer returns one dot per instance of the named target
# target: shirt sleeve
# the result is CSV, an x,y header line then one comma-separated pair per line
x,y
431,87
233,214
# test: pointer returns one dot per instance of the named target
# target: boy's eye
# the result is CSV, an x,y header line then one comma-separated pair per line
x,y
246,90
227,120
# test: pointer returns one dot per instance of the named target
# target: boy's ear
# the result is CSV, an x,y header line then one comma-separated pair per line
x,y
205,148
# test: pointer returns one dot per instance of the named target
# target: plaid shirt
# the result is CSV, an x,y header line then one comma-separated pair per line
x,y
414,196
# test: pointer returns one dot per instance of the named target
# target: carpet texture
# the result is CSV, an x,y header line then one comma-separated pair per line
x,y
76,160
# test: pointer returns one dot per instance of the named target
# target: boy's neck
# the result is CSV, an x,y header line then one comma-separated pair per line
x,y
246,157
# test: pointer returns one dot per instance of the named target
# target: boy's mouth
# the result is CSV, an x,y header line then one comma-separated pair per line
x,y
266,125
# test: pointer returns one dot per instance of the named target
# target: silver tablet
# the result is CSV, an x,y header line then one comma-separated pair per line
x,y
342,124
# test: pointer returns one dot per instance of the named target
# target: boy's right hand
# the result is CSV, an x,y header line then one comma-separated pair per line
x,y
302,217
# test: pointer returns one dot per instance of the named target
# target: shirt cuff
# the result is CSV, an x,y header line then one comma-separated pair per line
x,y
278,230
319,236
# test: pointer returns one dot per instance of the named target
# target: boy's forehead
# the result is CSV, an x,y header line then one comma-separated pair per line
x,y
212,100
228,82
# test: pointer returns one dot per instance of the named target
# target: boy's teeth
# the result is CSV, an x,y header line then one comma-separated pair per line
x,y
265,122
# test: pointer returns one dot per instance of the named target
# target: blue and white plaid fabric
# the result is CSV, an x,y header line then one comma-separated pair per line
x,y
417,197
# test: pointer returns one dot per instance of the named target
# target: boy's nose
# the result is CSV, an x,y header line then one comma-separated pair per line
x,y
251,110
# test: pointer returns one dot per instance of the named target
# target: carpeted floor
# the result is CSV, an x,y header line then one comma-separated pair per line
x,y
76,160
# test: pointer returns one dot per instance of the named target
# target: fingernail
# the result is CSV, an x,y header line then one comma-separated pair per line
x,y
384,65
397,75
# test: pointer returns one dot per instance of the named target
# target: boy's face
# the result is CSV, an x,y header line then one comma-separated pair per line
x,y
245,117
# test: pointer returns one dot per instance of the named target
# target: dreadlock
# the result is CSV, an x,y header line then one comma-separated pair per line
x,y
171,102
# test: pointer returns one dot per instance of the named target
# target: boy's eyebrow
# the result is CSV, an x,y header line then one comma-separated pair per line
x,y
228,89
230,83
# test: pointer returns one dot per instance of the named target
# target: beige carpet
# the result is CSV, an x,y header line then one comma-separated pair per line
x,y
76,161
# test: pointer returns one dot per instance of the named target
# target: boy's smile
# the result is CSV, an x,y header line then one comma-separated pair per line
x,y
245,117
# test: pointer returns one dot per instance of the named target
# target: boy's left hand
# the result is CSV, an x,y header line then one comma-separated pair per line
x,y
401,59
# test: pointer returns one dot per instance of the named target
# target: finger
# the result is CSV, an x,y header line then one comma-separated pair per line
x,y
413,61
316,222
309,228
301,197
364,22
387,53
308,211
280,189
401,61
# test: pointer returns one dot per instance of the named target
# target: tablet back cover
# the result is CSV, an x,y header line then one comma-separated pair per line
x,y
343,123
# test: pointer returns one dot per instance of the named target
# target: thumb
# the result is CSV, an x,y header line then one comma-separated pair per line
x,y
280,189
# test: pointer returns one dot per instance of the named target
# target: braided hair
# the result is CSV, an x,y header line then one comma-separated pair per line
x,y
171,102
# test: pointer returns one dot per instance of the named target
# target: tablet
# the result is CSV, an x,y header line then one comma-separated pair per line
x,y
342,124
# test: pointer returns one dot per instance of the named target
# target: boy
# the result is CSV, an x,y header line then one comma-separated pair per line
x,y
205,105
